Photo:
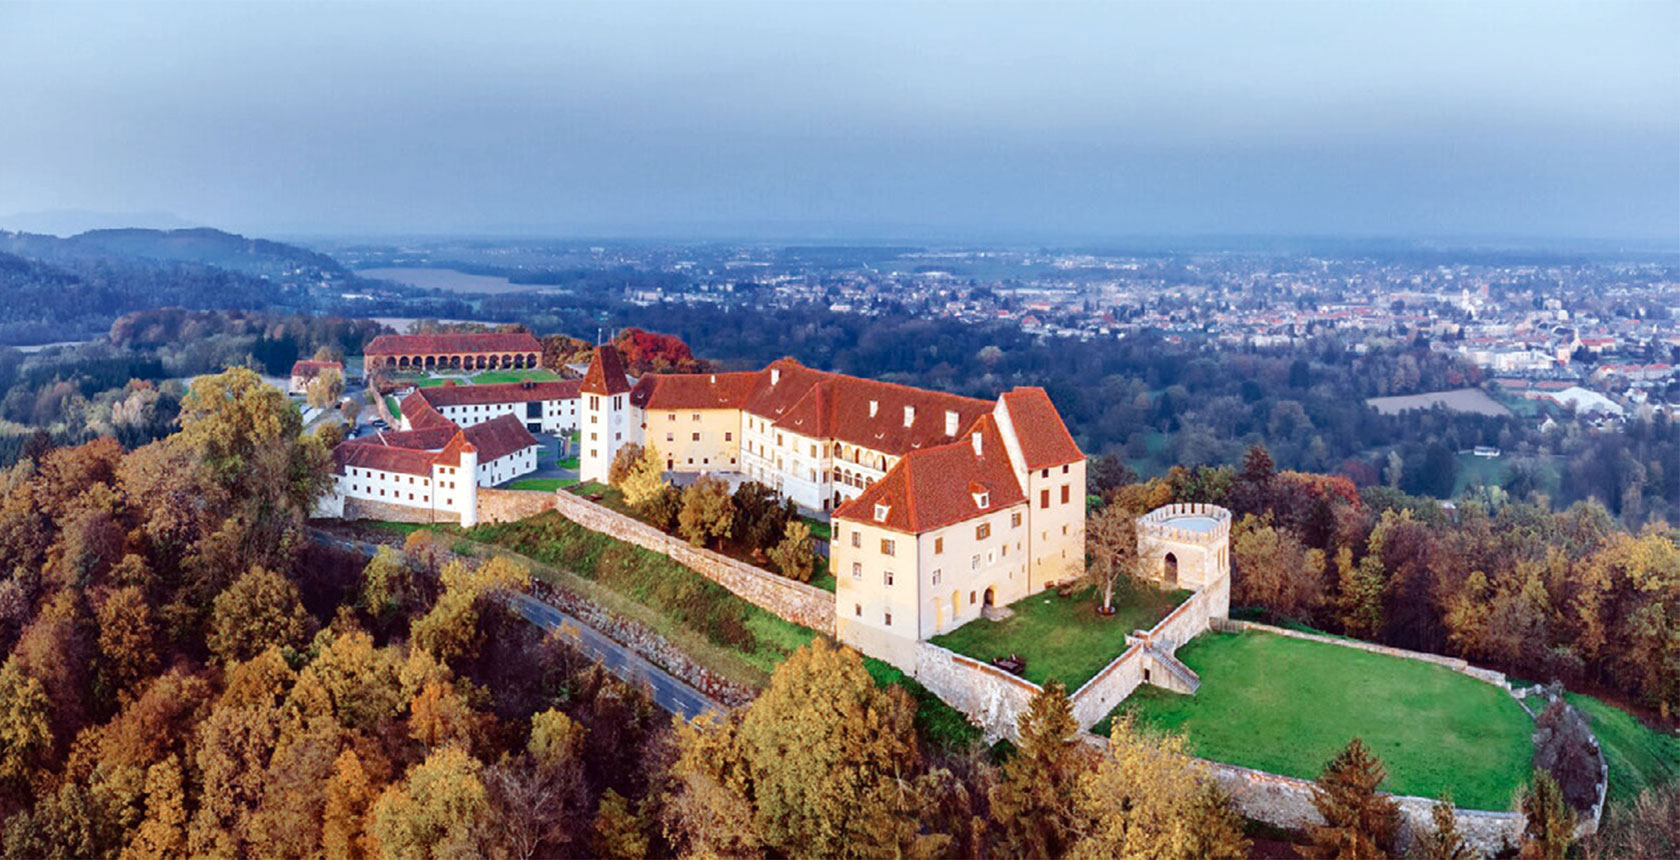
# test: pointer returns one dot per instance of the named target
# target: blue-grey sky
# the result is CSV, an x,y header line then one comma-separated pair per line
x,y
992,120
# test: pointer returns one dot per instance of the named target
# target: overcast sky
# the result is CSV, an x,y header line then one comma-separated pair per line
x,y
832,119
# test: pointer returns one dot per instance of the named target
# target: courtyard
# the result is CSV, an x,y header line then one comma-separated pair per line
x,y
1063,637
1288,706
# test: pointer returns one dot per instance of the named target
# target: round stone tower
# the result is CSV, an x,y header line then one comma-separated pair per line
x,y
1188,546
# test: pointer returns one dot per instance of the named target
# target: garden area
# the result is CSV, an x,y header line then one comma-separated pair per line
x,y
1064,637
1288,706
483,377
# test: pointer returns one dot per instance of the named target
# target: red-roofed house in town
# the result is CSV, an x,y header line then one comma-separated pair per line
x,y
942,505
307,369
452,351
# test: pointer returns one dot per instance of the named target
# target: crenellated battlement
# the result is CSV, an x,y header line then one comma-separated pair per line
x,y
1160,524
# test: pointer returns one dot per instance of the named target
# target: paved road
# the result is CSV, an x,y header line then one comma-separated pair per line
x,y
668,691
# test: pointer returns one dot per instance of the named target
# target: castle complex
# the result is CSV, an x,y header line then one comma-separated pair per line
x,y
942,505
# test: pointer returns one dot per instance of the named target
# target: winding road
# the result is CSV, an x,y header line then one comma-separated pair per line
x,y
667,691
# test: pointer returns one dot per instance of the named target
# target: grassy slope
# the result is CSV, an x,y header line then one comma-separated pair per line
x,y
547,485
1288,706
1639,757
1063,637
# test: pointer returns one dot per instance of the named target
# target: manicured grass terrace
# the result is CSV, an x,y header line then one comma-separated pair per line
x,y
547,485
1064,637
1639,757
1288,706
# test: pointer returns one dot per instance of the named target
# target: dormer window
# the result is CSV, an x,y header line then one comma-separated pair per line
x,y
950,423
874,407
881,512
982,500
909,415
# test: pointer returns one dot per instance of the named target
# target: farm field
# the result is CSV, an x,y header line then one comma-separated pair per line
x,y
1063,637
1288,706
1458,400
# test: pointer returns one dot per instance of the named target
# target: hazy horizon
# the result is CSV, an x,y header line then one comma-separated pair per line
x,y
976,122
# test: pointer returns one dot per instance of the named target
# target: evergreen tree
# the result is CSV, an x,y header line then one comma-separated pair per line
x,y
1444,842
1358,822
1550,825
1035,804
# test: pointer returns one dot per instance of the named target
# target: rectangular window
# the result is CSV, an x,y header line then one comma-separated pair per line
x,y
857,538
1064,469
886,547
982,531
1015,520
936,576
1066,490
1044,474
857,609
728,437
857,570
1044,498
697,438
886,577
889,619
975,564
670,437
938,545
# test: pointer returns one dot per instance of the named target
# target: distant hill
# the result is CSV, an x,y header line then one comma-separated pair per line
x,y
200,245
69,222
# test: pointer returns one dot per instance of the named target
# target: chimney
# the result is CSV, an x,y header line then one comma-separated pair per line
x,y
775,375
975,438
909,415
950,423
874,406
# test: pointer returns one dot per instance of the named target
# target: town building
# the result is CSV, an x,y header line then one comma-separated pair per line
x,y
452,351
942,505
543,407
305,371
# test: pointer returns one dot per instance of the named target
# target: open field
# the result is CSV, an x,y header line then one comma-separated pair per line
x,y
1063,637
1639,757
1288,706
1458,400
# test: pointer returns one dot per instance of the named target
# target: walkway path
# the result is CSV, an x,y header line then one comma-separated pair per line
x,y
668,692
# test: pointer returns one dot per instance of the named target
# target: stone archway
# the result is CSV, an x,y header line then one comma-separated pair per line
x,y
990,598
1169,570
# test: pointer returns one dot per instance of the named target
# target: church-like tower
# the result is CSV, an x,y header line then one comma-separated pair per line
x,y
604,420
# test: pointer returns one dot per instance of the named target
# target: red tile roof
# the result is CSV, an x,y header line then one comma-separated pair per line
x,y
309,368
414,452
606,373
1044,439
935,487
367,455
453,342
440,396
499,437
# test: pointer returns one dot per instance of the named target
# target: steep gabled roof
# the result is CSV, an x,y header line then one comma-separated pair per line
x,y
606,373
408,461
1044,439
935,487
499,437
694,390
461,342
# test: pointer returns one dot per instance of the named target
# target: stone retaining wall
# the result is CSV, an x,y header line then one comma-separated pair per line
x,y
506,506
989,696
792,601
1109,687
367,509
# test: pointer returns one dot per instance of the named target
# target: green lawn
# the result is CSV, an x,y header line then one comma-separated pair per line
x,y
491,377
684,597
1064,637
547,485
819,529
396,409
567,462
1639,757
1490,471
1289,705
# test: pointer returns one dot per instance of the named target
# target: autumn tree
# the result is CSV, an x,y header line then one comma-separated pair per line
x,y
1358,821
761,517
830,755
163,832
25,732
1036,804
127,639
1147,798
709,811
1112,548
1443,841
350,794
794,556
1549,825
617,832
644,477
707,510
1273,569
325,389
259,610
624,462
540,796
441,809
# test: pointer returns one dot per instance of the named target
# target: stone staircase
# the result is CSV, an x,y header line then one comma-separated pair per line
x,y
1180,678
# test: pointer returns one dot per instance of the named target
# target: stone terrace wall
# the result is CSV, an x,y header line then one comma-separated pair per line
x,y
1092,701
989,696
787,599
1498,679
1285,801
506,506
366,509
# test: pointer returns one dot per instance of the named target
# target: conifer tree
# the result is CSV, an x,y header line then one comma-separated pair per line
x,y
1444,842
1550,826
1359,822
1034,805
